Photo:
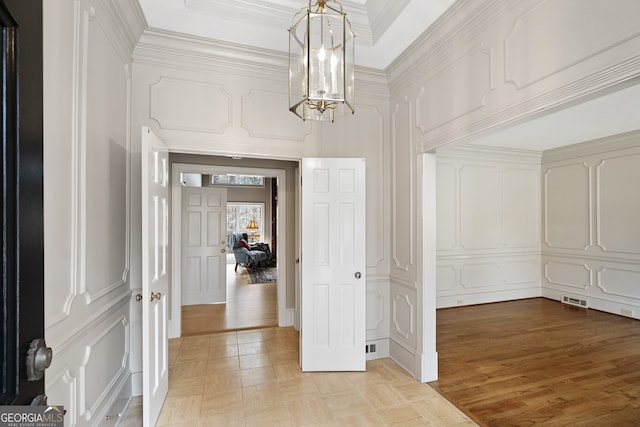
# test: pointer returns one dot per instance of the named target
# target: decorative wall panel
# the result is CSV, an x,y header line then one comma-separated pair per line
x,y
447,210
104,365
263,117
574,275
105,164
488,225
190,105
404,314
460,89
479,207
521,215
618,204
606,270
402,177
622,282
585,39
567,202
480,275
446,278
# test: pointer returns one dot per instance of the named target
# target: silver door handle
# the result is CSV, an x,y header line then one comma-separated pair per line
x,y
358,275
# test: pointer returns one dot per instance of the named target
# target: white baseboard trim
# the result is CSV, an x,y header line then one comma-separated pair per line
x,y
403,357
136,384
487,297
116,405
286,317
428,367
613,307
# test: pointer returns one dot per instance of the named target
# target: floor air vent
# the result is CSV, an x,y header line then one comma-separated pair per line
x,y
575,301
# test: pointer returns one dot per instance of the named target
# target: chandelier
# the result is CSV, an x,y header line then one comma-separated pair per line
x,y
321,62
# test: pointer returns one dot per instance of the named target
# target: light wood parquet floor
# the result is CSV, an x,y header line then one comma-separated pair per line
x,y
540,362
253,378
248,306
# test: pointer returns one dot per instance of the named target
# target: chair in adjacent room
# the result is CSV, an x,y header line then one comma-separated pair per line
x,y
243,253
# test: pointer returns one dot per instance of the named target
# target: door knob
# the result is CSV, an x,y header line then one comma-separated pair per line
x,y
157,296
38,359
138,297
357,275
223,250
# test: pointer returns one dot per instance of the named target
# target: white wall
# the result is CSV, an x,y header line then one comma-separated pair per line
x,y
210,98
87,98
488,225
482,65
591,223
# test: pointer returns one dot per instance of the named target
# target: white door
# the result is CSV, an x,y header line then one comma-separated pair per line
x,y
204,260
155,281
333,289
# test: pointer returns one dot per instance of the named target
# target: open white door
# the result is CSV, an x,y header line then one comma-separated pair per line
x,y
204,258
155,280
333,289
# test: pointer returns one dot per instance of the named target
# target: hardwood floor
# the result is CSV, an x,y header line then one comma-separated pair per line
x,y
538,361
248,306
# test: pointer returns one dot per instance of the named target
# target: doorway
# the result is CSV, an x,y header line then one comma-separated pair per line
x,y
284,318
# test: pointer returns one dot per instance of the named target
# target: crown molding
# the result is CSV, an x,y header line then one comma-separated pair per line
x,y
628,140
192,53
129,16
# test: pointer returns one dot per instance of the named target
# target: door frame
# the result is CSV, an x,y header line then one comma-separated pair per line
x,y
175,321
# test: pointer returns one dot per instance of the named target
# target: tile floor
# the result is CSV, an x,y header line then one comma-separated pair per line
x,y
252,378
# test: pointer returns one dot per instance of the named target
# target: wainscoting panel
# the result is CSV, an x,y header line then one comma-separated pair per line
x,y
488,225
605,269
403,300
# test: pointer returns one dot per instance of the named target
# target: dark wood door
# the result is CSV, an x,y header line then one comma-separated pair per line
x,y
22,212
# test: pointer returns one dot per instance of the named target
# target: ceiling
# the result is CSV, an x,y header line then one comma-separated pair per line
x,y
384,29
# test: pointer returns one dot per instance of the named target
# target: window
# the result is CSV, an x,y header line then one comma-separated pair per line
x,y
239,215
241,180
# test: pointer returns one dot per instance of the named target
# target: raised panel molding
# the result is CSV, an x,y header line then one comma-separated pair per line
x,y
580,40
521,208
575,275
479,207
446,278
189,105
403,314
261,120
619,281
454,98
567,206
101,370
402,165
375,315
447,207
618,204
104,164
480,275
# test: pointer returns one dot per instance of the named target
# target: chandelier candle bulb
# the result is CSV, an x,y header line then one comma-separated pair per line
x,y
321,62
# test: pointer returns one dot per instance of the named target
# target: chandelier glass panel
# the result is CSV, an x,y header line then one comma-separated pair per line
x,y
321,62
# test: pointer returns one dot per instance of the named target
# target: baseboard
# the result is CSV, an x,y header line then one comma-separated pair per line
x,y
118,404
595,303
136,384
487,297
286,317
428,367
403,357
